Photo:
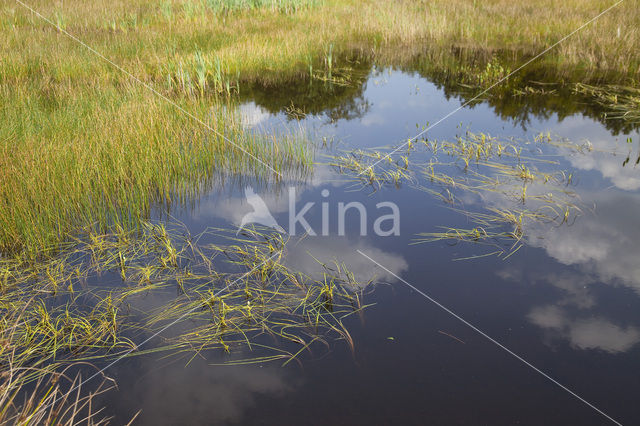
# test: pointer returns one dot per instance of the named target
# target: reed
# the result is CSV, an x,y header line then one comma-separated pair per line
x,y
81,143
54,318
97,166
520,187
233,294
55,399
619,102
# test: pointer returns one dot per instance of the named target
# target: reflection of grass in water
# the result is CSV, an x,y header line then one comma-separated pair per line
x,y
620,102
520,188
53,317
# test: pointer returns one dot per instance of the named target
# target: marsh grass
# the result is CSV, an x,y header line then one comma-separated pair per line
x,y
272,300
110,160
619,102
85,154
54,399
33,389
282,6
236,297
518,184
81,143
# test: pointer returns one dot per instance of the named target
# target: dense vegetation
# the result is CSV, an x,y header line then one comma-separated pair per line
x,y
111,108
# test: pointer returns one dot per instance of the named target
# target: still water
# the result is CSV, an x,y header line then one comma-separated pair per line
x,y
566,302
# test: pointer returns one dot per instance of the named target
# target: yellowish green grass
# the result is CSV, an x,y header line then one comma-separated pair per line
x,y
82,142
56,399
236,297
518,188
51,314
99,156
83,146
263,44
619,102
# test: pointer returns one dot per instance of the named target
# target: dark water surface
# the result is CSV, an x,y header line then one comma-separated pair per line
x,y
567,302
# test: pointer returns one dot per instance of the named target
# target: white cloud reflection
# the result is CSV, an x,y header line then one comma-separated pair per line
x,y
198,393
308,255
252,115
585,333
600,159
233,208
604,243
575,316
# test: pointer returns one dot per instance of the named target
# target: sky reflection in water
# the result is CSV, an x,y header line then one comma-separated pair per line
x,y
568,302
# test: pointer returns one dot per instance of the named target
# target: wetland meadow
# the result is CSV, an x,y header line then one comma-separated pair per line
x,y
319,212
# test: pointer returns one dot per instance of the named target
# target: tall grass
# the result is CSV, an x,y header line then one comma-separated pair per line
x,y
71,157
619,102
286,6
55,400
80,142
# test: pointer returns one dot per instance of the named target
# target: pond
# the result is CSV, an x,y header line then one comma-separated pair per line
x,y
562,296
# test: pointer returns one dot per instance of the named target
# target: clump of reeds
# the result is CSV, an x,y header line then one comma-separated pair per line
x,y
50,186
619,102
283,6
80,142
232,294
230,311
227,308
54,399
35,387
506,170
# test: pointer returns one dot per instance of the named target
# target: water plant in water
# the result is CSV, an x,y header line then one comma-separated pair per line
x,y
237,297
620,102
82,146
80,142
517,185
55,399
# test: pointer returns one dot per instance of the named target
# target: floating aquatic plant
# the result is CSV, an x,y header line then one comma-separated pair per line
x,y
523,186
620,102
237,296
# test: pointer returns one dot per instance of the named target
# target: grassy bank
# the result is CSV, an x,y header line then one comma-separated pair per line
x,y
98,156
82,142
83,146
235,42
